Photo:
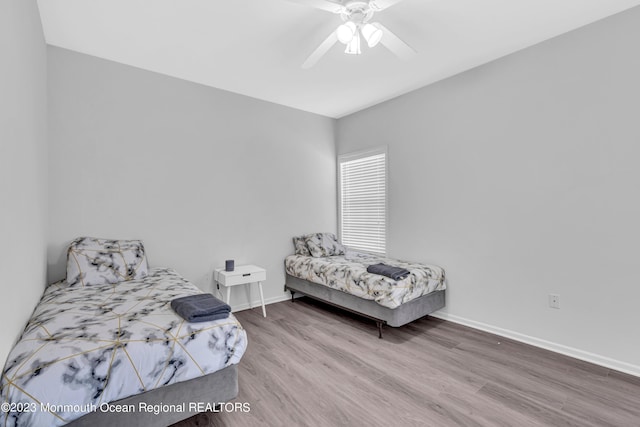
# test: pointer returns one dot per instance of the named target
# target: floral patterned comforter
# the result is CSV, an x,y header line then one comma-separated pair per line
x,y
84,347
348,273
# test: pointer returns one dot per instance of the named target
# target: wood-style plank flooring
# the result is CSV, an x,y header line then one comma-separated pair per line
x,y
309,364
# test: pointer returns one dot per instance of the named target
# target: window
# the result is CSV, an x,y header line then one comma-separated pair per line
x,y
362,200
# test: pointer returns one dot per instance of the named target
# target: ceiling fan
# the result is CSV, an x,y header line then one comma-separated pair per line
x,y
356,16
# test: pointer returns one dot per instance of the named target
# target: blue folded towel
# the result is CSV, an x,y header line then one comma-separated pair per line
x,y
200,308
396,273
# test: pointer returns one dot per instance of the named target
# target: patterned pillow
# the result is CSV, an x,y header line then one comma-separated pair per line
x,y
92,261
323,244
301,246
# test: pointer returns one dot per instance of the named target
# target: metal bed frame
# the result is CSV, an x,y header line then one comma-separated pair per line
x,y
401,315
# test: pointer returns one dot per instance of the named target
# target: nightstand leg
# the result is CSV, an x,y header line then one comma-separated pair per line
x,y
248,288
228,294
264,311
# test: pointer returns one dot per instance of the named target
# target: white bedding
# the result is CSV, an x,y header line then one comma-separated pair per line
x,y
97,344
348,273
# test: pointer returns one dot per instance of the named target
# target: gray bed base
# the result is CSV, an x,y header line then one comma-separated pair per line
x,y
218,387
405,313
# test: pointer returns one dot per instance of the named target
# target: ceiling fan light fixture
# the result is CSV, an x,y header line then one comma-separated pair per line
x,y
353,48
346,32
357,24
372,33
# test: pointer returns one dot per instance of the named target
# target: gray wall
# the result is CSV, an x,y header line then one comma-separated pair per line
x,y
521,178
201,175
23,155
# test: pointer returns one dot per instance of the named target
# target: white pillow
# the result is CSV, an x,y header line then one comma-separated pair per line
x,y
301,246
323,244
92,261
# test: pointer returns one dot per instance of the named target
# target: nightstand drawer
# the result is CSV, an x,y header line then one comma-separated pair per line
x,y
238,279
241,275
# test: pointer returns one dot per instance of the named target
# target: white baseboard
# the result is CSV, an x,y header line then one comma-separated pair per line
x,y
254,304
597,359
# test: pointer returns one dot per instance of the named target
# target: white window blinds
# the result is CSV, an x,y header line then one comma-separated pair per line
x,y
362,201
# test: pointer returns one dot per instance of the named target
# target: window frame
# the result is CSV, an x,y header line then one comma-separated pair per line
x,y
357,155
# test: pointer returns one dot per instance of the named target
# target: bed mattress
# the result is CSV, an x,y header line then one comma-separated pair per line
x,y
348,273
85,347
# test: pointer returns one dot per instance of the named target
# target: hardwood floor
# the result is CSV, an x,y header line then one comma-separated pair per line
x,y
309,364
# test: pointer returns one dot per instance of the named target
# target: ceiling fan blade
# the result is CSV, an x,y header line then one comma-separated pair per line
x,y
328,5
320,50
379,5
395,44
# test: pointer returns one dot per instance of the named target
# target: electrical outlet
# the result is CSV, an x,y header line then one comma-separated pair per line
x,y
554,301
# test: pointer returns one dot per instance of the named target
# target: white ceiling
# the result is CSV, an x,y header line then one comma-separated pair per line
x,y
256,47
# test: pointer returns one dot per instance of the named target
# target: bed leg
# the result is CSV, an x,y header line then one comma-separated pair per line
x,y
379,323
292,300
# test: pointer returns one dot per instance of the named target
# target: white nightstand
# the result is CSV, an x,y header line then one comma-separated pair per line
x,y
242,275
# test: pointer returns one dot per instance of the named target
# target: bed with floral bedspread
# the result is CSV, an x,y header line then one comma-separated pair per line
x,y
348,273
324,269
85,346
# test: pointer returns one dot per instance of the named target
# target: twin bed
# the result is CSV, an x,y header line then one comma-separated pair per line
x,y
92,349
345,282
